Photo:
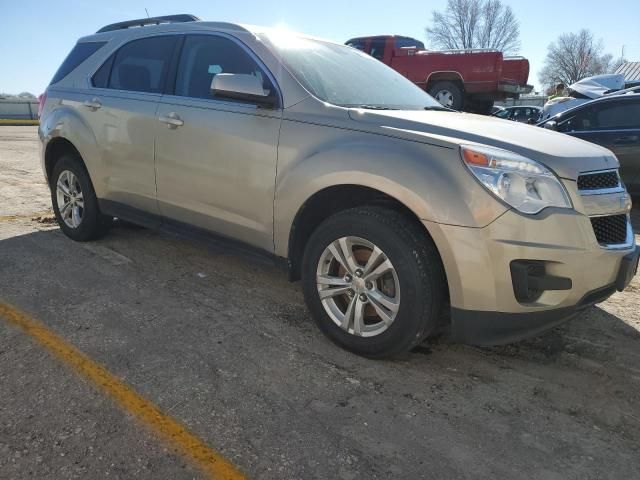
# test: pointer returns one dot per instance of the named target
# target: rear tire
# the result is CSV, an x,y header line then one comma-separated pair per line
x,y
414,287
481,107
74,201
449,94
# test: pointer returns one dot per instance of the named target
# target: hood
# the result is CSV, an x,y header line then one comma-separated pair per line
x,y
597,86
565,155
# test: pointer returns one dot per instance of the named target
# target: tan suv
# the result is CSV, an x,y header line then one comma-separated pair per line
x,y
391,209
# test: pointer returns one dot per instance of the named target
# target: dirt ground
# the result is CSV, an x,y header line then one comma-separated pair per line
x,y
222,341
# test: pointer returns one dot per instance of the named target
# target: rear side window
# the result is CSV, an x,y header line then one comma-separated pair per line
x,y
79,54
623,114
604,116
101,77
358,43
140,66
204,56
377,48
408,42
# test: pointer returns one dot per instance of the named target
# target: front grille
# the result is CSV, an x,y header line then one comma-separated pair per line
x,y
598,181
610,230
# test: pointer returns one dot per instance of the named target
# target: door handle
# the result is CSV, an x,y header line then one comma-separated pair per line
x,y
172,120
93,104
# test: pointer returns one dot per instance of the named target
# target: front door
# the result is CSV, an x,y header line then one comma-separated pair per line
x,y
216,159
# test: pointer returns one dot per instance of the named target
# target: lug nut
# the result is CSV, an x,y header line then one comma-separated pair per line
x,y
369,285
358,273
350,292
347,278
363,297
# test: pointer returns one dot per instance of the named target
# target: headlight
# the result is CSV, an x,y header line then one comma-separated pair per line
x,y
525,184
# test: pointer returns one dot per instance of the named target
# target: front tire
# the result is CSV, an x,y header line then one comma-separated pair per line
x,y
74,201
373,281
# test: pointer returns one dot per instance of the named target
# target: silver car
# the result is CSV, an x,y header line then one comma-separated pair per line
x,y
390,208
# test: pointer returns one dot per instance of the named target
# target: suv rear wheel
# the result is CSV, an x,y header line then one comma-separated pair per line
x,y
373,281
74,201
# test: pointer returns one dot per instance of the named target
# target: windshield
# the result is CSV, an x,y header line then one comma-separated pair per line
x,y
346,77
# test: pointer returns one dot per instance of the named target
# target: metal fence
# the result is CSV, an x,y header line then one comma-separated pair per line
x,y
528,100
19,108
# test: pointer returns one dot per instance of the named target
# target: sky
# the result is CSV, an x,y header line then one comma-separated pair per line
x,y
36,35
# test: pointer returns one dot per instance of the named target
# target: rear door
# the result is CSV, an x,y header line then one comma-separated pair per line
x,y
216,160
614,124
122,112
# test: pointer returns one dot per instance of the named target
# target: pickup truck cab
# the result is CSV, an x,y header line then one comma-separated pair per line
x,y
468,80
392,210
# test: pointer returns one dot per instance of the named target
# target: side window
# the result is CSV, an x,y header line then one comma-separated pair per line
x,y
79,54
619,114
204,56
142,65
584,119
377,48
359,44
101,77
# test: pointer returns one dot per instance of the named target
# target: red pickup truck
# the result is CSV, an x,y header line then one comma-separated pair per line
x,y
468,80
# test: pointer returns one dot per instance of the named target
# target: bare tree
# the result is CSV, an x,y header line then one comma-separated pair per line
x,y
466,24
574,56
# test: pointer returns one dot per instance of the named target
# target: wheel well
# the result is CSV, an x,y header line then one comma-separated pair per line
x,y
327,202
454,77
56,148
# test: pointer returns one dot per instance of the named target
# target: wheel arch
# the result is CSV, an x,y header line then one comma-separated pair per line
x,y
55,149
331,200
445,75
65,131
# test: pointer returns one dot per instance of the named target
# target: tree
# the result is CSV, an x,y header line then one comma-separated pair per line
x,y
467,24
574,56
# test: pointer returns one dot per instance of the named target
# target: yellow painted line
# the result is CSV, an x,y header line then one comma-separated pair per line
x,y
210,461
11,121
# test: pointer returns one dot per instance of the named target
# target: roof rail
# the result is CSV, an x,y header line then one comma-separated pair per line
x,y
141,22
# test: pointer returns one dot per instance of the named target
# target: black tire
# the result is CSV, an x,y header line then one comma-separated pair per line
x,y
483,107
457,98
94,224
417,264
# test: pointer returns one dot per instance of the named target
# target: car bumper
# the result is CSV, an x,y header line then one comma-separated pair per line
x,y
514,88
486,292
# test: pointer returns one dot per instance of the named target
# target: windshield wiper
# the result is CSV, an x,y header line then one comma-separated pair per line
x,y
439,109
371,107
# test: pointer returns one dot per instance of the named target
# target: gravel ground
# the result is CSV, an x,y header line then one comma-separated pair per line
x,y
222,342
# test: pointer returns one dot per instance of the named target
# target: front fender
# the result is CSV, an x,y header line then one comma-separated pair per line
x,y
430,180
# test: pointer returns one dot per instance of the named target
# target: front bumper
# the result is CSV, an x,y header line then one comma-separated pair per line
x,y
514,88
484,302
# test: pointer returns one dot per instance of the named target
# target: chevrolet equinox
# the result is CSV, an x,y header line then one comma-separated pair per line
x,y
395,212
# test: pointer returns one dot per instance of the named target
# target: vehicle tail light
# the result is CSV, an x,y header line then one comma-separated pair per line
x,y
42,98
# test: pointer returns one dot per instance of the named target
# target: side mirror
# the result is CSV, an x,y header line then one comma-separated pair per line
x,y
240,86
551,125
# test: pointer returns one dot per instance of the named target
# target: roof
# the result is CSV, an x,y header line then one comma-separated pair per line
x,y
630,71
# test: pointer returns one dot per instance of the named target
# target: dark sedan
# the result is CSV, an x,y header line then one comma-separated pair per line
x,y
522,113
614,123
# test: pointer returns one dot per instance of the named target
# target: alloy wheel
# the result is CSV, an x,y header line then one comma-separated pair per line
x,y
70,199
445,97
358,286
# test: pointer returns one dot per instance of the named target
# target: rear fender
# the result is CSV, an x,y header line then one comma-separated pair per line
x,y
65,122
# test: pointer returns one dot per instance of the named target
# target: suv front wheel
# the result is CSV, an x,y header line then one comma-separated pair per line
x,y
74,201
373,281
